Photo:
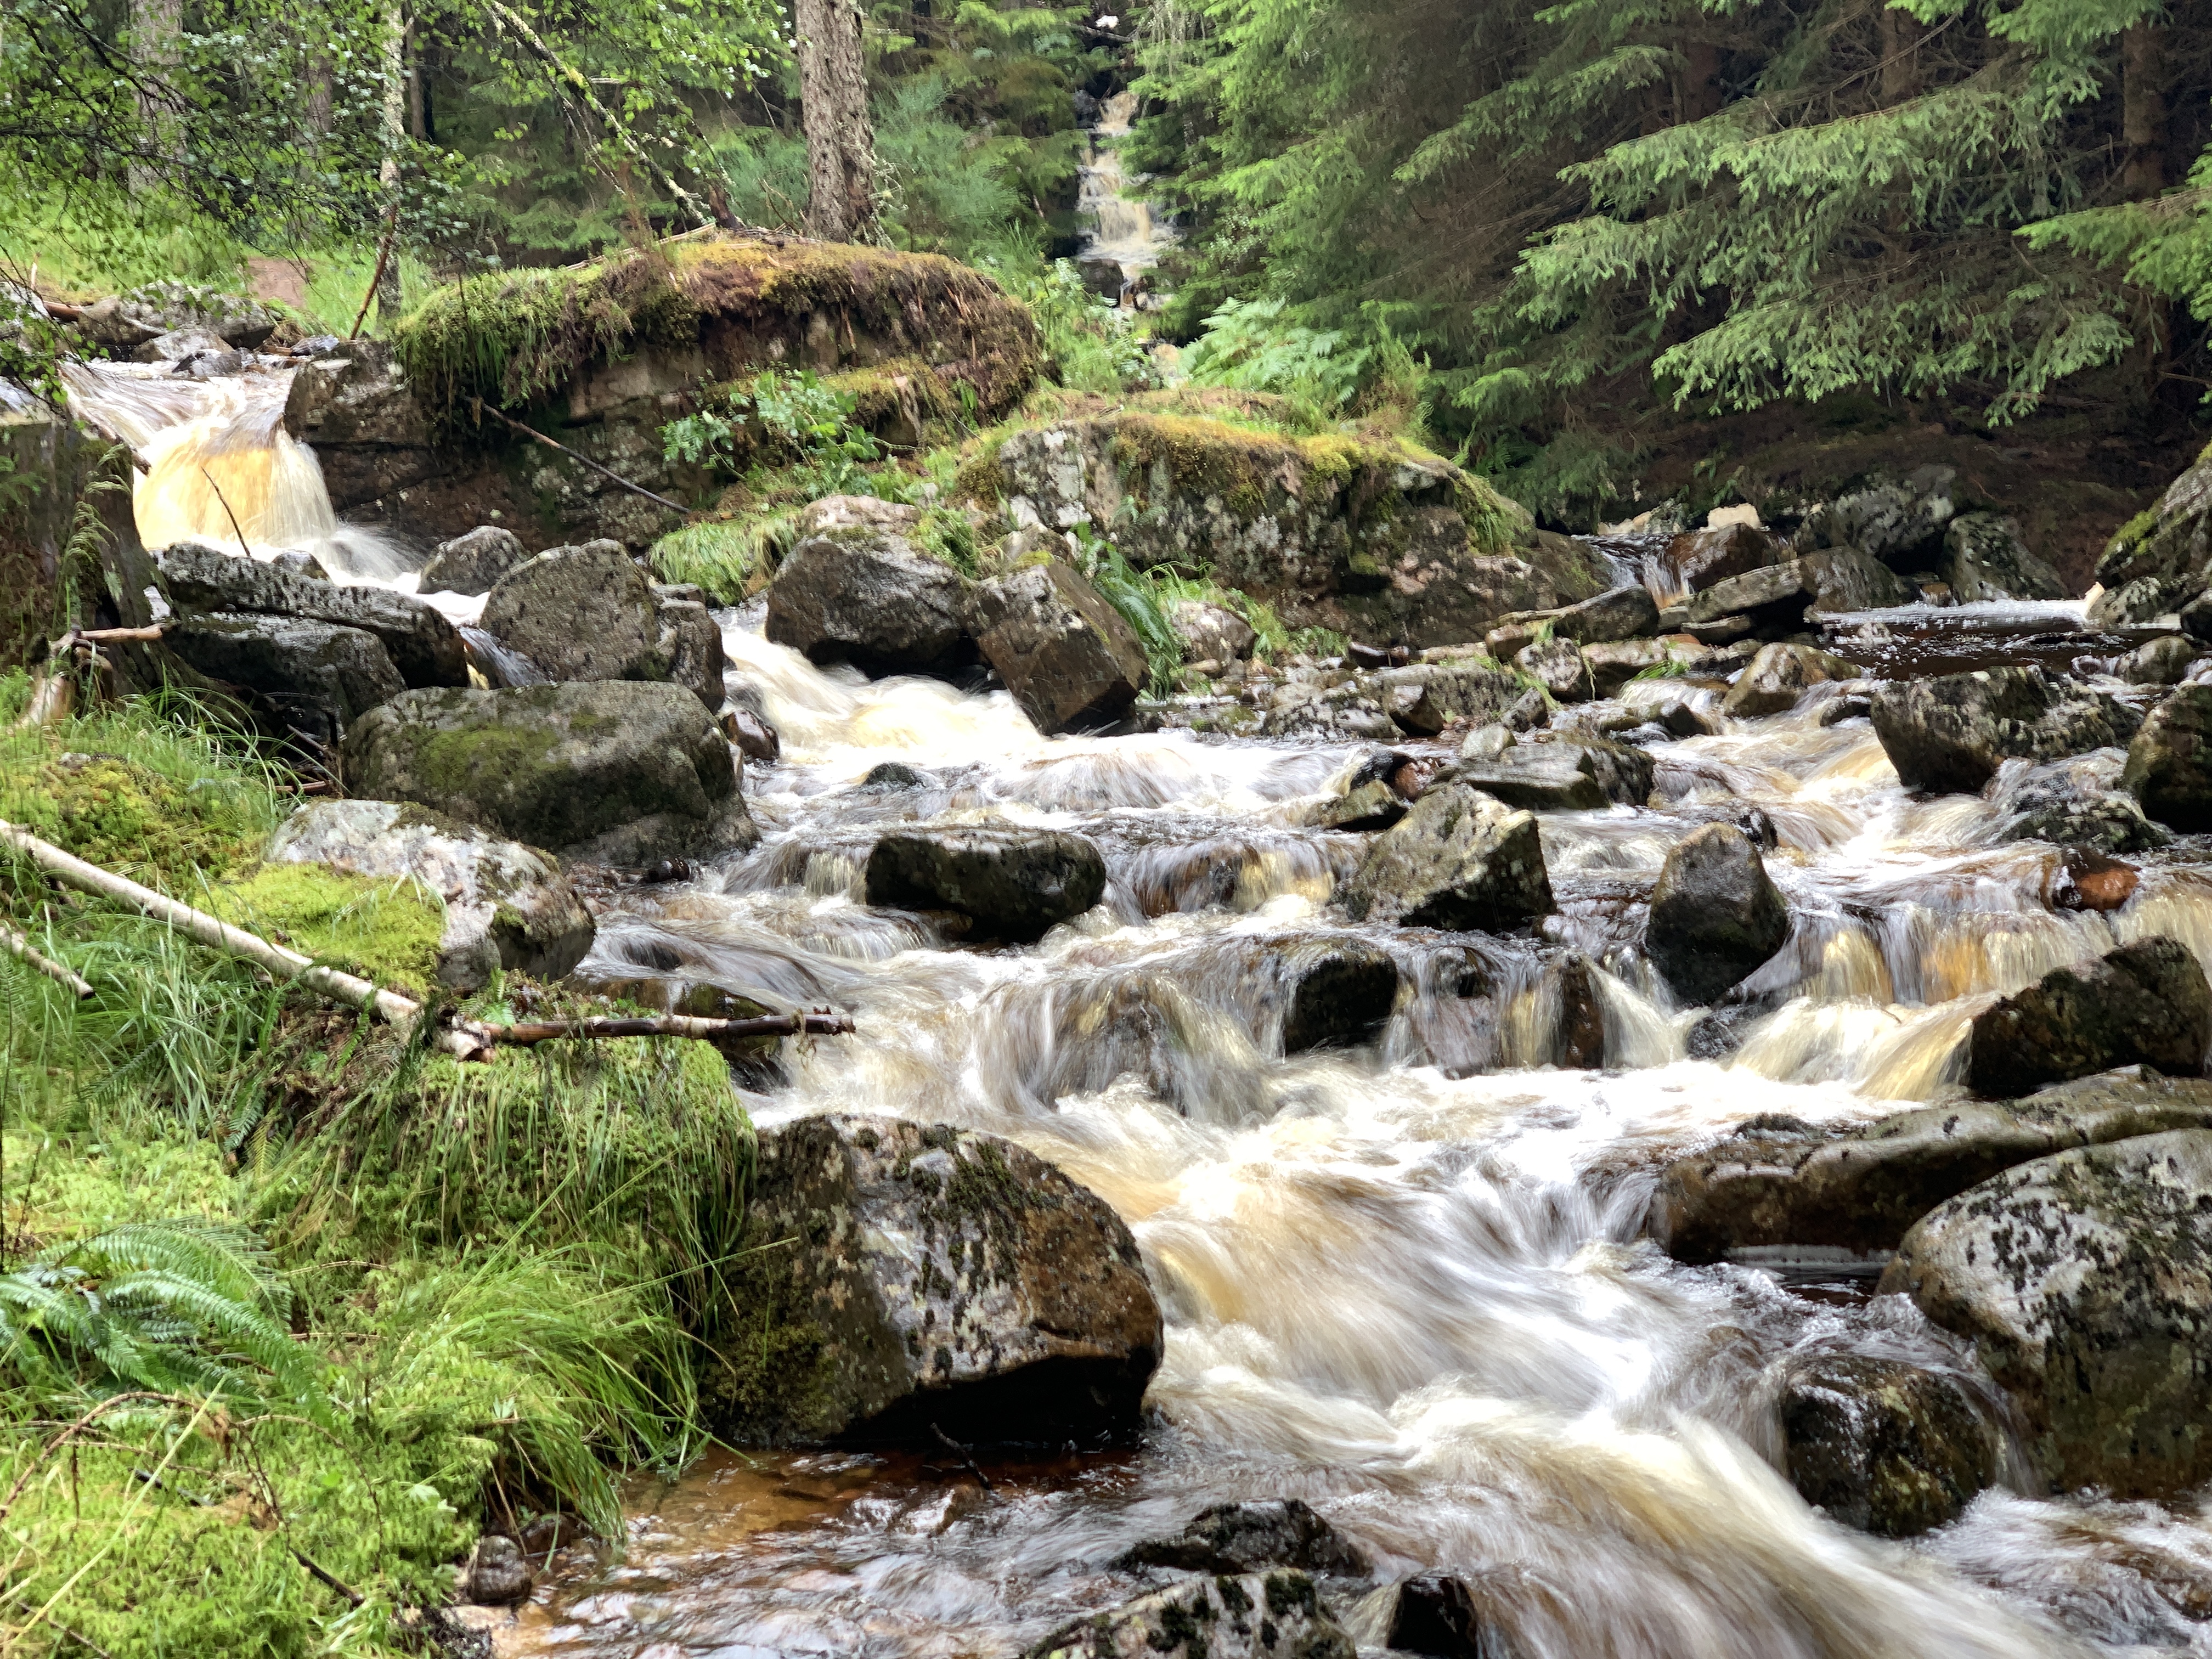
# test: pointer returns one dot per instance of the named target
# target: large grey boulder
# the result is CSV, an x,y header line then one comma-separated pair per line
x,y
1778,677
1071,661
1459,859
1699,558
1828,583
1011,884
607,771
2084,1281
423,645
1275,1615
863,595
1951,733
470,563
507,906
1985,558
1882,1446
588,613
943,1279
2169,767
1716,914
2144,1004
1863,1188
1898,522
2162,559
355,407
2162,661
1425,698
315,677
1560,668
1562,772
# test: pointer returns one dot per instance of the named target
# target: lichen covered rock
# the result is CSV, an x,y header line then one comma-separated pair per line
x,y
506,906
1951,733
1882,1446
2159,560
945,1277
2144,1004
1459,859
1235,1538
608,771
2084,1281
588,613
470,563
307,676
1275,1615
1778,677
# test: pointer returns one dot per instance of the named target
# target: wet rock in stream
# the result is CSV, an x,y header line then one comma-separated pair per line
x,y
2169,767
2075,802
1863,1188
1460,859
2146,1003
470,563
2084,1281
863,594
1778,675
1883,1446
1716,914
305,677
607,771
1071,661
588,613
1275,1615
1234,1538
938,1279
1013,885
1952,733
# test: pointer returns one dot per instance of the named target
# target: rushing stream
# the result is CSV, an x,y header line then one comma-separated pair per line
x,y
1403,1281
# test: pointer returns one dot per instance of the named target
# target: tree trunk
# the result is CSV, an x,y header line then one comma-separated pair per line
x,y
395,135
155,26
1900,36
2142,110
1701,82
418,92
841,154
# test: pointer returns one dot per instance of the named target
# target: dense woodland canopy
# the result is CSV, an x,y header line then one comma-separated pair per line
x,y
1580,224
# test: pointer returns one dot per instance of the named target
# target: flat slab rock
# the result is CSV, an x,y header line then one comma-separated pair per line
x,y
956,1279
1012,883
1863,1188
1275,1615
507,905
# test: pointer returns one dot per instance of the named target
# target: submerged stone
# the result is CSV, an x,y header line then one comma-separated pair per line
x,y
1882,1446
949,1281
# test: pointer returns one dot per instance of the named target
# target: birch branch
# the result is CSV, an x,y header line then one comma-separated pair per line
x,y
19,946
821,1023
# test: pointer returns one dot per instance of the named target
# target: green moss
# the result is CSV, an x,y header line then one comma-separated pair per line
x,y
2133,532
382,930
126,817
453,764
731,558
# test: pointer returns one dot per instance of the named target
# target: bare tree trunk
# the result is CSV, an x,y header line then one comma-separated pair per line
x,y
1899,35
156,27
419,93
318,93
395,134
2142,110
840,151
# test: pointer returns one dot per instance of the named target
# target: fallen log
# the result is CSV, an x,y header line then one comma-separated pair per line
x,y
820,1022
465,1039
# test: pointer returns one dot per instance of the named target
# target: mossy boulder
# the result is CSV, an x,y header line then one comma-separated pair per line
x,y
602,355
608,771
2084,1281
1365,535
2161,560
506,906
386,930
945,1279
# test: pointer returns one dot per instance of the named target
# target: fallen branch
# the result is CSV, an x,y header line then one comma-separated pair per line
x,y
965,1454
212,931
376,277
821,1023
236,529
104,637
19,946
484,408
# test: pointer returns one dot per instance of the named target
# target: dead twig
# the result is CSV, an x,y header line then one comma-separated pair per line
x,y
235,529
484,408
376,277
18,945
70,1433
965,1454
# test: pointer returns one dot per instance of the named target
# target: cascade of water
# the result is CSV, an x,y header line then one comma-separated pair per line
x,y
219,466
1401,1281
1125,230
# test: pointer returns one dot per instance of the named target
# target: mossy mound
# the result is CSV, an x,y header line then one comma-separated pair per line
x,y
385,930
129,818
716,310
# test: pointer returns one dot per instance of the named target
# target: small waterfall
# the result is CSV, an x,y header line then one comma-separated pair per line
x,y
219,466
1124,231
